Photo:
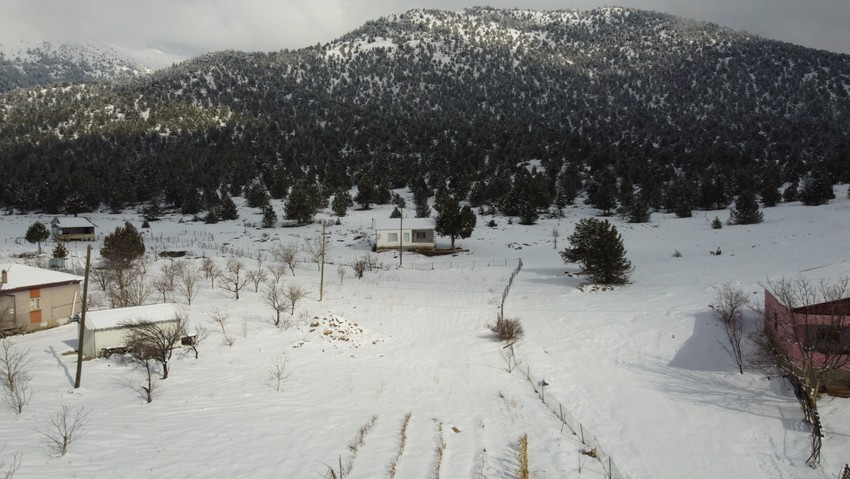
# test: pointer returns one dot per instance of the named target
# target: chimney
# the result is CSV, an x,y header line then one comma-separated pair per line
x,y
4,277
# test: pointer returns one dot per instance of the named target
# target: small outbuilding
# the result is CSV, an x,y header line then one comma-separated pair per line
x,y
404,233
35,298
73,228
108,328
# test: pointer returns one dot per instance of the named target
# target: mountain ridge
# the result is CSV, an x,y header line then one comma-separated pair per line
x,y
463,92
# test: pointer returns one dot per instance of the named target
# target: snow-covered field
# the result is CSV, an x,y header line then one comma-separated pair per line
x,y
640,367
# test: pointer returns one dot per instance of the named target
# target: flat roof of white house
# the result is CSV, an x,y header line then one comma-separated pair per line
x,y
73,222
21,276
115,318
406,223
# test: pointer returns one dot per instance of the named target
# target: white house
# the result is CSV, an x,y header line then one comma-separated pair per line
x,y
108,328
404,233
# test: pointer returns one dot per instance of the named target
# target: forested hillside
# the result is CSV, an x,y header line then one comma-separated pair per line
x,y
509,108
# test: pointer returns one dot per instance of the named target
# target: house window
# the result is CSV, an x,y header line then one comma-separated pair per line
x,y
420,235
406,237
827,339
35,304
392,237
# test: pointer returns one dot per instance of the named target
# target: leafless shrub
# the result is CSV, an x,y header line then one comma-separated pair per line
x,y
234,278
211,270
677,254
163,286
15,375
279,372
221,318
277,270
229,340
188,280
64,427
314,249
257,276
507,329
8,469
295,293
275,296
729,303
359,267
286,254
340,271
508,355
201,333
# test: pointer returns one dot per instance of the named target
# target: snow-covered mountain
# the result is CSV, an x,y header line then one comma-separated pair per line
x,y
25,64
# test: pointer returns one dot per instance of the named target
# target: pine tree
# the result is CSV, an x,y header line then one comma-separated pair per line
x,y
598,248
299,205
716,224
123,246
453,220
153,210
37,233
60,251
341,202
639,211
816,190
227,209
746,211
770,183
269,217
365,192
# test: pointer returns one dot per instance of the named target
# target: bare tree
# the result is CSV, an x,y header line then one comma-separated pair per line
x,y
314,249
128,285
805,323
201,333
278,371
810,322
220,317
211,270
729,303
8,469
295,293
65,427
144,357
234,278
275,296
163,286
15,375
286,254
188,280
257,276
277,270
156,340
340,271
101,276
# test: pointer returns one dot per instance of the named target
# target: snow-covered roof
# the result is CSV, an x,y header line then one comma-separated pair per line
x,y
406,223
114,318
72,222
20,276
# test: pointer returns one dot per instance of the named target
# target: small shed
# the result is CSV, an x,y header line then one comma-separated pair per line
x,y
73,228
108,328
35,298
404,233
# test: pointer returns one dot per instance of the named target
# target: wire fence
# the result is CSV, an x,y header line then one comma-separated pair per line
x,y
575,427
452,264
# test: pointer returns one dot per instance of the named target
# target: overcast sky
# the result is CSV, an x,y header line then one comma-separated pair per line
x,y
186,28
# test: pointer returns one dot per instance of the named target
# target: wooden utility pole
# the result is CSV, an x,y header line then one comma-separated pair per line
x,y
81,336
322,269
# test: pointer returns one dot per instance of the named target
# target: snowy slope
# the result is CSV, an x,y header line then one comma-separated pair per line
x,y
640,367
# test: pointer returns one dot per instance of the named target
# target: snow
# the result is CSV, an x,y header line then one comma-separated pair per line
x,y
640,367
20,276
114,318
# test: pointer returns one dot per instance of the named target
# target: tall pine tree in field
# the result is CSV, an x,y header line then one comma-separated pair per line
x,y
453,220
746,211
598,249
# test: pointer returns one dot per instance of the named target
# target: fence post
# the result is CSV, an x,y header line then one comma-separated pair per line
x,y
581,428
609,467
